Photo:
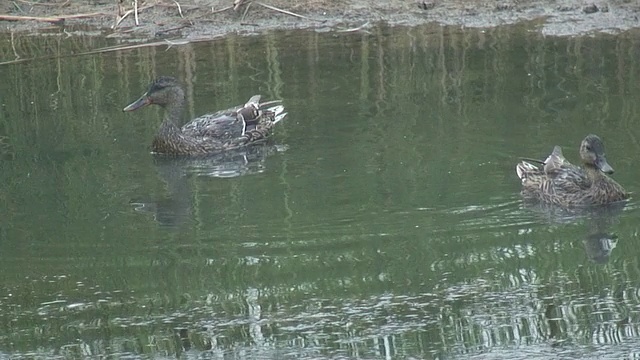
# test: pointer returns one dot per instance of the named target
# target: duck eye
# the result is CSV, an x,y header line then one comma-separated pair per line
x,y
588,147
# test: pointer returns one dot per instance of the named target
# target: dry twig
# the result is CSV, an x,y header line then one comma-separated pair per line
x,y
288,12
53,19
18,7
179,8
121,18
221,10
44,4
246,10
135,11
237,4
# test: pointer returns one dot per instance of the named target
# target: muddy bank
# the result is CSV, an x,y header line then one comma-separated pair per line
x,y
194,19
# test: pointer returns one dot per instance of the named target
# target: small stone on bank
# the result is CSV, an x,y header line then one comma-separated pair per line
x,y
426,4
504,7
590,9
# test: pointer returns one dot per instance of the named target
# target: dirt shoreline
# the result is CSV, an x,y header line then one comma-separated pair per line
x,y
198,19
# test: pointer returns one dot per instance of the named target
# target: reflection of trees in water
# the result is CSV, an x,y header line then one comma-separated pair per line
x,y
465,75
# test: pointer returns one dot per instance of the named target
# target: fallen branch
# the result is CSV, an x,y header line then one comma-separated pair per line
x,y
221,10
50,19
288,12
44,4
80,16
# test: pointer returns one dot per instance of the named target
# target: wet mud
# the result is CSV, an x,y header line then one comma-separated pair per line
x,y
205,19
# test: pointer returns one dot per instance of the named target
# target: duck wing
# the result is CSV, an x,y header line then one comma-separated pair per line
x,y
564,175
556,180
570,179
224,124
220,125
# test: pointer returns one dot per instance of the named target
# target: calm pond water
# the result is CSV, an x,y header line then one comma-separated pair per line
x,y
382,219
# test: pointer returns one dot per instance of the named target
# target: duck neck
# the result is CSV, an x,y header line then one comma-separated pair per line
x,y
172,114
594,173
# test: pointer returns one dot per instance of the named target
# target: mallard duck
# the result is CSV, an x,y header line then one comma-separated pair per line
x,y
212,133
560,183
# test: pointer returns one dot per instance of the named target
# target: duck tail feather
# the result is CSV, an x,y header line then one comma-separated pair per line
x,y
524,168
254,101
276,110
267,103
279,117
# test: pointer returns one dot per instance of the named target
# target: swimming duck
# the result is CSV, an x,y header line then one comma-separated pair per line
x,y
207,134
561,183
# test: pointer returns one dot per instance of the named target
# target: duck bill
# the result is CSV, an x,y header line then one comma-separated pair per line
x,y
604,166
142,102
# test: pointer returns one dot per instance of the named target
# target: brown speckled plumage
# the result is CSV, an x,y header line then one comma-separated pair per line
x,y
211,133
561,183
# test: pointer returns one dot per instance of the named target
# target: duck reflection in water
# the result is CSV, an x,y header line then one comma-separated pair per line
x,y
598,246
598,241
174,209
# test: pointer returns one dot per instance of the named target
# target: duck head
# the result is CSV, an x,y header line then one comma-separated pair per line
x,y
592,154
163,91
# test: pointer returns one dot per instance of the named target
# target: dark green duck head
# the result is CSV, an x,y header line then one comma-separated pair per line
x,y
592,154
164,91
